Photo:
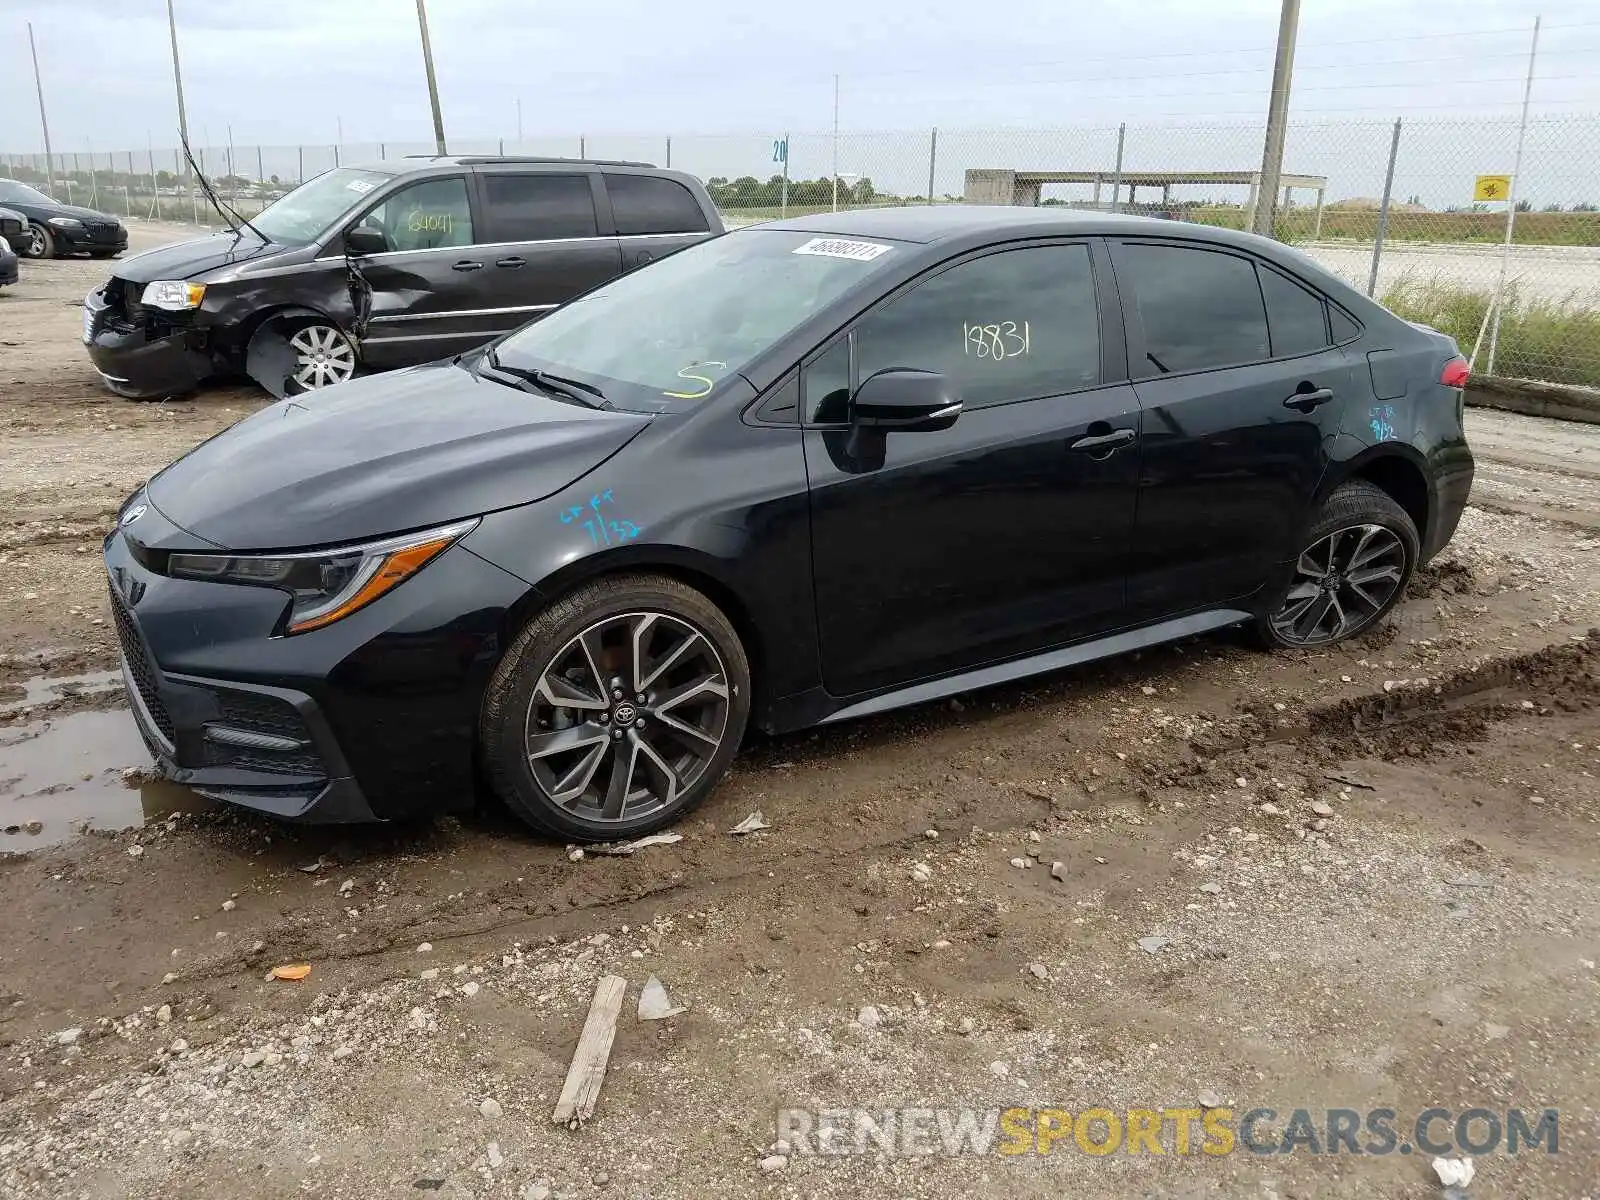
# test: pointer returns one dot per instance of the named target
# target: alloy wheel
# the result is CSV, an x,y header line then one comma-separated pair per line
x,y
627,716
1342,584
322,356
37,244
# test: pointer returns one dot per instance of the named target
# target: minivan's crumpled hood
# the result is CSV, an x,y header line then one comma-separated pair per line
x,y
185,260
383,455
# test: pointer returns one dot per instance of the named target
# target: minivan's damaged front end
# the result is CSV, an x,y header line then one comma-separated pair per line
x,y
225,306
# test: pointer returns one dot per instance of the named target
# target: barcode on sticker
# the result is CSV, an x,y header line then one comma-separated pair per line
x,y
839,248
359,185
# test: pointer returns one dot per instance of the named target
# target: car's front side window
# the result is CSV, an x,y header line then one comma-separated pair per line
x,y
429,215
1014,325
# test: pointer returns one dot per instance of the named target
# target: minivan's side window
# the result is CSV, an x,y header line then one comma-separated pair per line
x,y
425,216
653,204
1199,308
531,208
1298,319
1016,325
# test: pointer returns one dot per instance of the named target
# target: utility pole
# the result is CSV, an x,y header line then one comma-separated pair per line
x,y
1277,119
49,159
433,84
177,81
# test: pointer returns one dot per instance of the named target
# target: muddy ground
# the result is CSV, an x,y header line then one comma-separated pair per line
x,y
1428,935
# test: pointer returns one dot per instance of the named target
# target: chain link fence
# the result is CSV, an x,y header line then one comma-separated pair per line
x,y
1388,206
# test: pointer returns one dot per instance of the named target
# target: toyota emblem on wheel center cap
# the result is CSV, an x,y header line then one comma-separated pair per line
x,y
625,714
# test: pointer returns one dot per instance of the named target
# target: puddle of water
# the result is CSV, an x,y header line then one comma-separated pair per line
x,y
43,790
43,691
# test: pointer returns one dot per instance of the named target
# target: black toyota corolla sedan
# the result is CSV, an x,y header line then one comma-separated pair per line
x,y
795,474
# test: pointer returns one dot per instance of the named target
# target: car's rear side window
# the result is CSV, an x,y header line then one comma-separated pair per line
x,y
1344,329
1199,308
653,204
537,207
1298,318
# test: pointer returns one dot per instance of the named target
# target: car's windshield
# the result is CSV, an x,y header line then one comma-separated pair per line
x,y
306,213
669,333
21,193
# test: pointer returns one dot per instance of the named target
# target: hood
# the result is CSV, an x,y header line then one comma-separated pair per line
x,y
383,455
184,260
82,214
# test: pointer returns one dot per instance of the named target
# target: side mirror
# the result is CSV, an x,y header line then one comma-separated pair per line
x,y
904,400
363,240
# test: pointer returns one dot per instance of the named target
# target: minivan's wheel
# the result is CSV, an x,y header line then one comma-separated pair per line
x,y
323,356
1359,554
616,710
41,245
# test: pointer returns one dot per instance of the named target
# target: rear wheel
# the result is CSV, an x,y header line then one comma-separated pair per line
x,y
616,710
1358,557
41,245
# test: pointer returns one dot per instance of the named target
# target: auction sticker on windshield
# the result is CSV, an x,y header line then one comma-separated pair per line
x,y
837,248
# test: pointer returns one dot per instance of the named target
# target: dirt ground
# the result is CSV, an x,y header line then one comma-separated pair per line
x,y
1426,935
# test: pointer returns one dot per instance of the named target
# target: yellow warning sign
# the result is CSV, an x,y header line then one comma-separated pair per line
x,y
1491,187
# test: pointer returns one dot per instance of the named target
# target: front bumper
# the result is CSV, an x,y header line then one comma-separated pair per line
x,y
9,271
371,718
143,359
92,238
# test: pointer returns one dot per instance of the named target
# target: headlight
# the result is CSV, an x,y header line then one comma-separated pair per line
x,y
173,295
65,222
328,584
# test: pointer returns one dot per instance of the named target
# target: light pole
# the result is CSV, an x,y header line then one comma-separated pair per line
x,y
433,84
49,159
1277,119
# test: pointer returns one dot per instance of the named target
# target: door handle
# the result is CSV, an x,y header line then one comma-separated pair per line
x,y
1309,399
466,264
513,261
1108,442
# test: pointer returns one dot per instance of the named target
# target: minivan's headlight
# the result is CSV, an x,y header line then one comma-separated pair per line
x,y
328,584
173,295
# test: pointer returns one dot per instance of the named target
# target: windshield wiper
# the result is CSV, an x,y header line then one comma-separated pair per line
x,y
560,385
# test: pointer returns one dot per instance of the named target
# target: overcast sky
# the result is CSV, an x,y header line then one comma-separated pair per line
x,y
290,71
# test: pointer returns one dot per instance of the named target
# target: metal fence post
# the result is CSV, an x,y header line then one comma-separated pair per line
x,y
261,170
669,153
300,174
1511,204
783,197
1116,178
933,159
1383,209
583,146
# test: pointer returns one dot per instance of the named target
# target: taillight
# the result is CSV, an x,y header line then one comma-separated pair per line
x,y
1456,373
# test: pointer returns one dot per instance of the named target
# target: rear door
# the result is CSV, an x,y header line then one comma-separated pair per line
x,y
546,241
1242,391
653,215
426,287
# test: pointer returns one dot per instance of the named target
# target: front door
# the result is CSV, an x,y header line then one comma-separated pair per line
x,y
1005,534
1238,414
547,243
427,287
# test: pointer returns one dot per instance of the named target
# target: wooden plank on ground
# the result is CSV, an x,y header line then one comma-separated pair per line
x,y
581,1091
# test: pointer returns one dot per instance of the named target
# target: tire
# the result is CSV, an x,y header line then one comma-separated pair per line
x,y
558,765
43,244
1361,551
309,337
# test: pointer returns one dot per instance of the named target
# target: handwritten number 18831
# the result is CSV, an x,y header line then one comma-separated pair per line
x,y
997,342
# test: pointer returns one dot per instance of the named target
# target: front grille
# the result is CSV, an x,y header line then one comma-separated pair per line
x,y
257,713
103,231
139,665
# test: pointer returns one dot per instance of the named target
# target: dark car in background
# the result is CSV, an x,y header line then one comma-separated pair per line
x,y
14,231
56,229
385,265
796,474
8,264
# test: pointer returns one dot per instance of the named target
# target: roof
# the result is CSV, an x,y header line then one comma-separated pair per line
x,y
476,160
1157,178
942,222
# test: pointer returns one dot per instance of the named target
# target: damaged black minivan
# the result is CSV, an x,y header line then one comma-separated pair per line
x,y
387,265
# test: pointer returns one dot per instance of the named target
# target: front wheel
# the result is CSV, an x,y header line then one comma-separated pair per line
x,y
1359,555
323,356
616,710
42,243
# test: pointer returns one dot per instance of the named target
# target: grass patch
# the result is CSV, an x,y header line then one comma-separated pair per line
x,y
1553,341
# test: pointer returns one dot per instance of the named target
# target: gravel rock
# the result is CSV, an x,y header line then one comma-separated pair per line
x,y
774,1162
491,1109
1038,971
1322,808
254,1058
869,1017
1212,888
1058,870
